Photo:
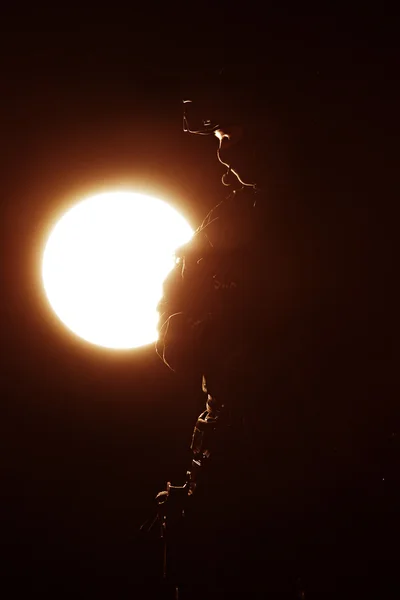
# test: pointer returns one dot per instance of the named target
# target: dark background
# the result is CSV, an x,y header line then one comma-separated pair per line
x,y
89,436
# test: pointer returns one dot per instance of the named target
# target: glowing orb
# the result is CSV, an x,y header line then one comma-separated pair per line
x,y
104,264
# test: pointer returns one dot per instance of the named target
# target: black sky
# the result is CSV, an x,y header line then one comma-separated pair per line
x,y
90,436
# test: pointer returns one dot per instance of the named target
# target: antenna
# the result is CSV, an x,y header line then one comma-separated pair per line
x,y
226,136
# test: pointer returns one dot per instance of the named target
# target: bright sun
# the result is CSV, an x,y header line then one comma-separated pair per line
x,y
104,264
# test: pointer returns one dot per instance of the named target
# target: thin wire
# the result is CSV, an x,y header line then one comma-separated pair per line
x,y
208,215
212,130
186,128
170,317
230,170
166,323
142,527
203,227
209,241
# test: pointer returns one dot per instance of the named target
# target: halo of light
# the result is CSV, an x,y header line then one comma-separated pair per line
x,y
104,264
